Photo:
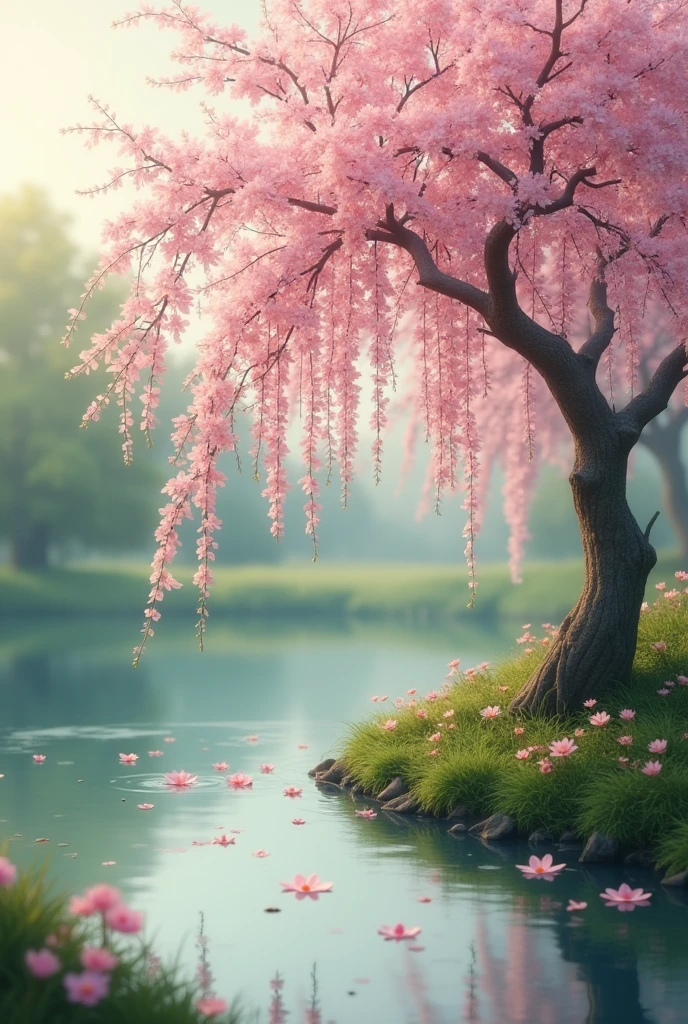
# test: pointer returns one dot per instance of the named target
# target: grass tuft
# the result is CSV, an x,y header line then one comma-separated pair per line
x,y
672,849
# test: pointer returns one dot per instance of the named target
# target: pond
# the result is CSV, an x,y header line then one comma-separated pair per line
x,y
493,947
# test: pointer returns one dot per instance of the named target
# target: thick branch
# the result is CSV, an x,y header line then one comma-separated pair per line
x,y
505,173
655,398
603,316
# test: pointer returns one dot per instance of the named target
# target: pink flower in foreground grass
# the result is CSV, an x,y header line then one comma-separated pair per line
x,y
42,963
390,725
657,746
627,714
562,748
421,713
94,958
124,919
600,719
545,765
128,758
435,738
522,755
265,769
306,887
211,1006
652,768
577,905
367,812
145,807
659,646
664,692
519,730
8,873
87,988
626,898
434,752
103,897
579,732
682,680
536,868
397,932
292,791
180,779
490,711
80,906
221,766
625,741
589,703
240,781
39,758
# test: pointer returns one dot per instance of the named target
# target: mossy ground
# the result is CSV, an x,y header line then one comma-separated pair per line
x,y
590,790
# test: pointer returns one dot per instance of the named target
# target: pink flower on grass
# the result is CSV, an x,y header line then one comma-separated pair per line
x,y
128,758
87,988
211,1006
421,713
432,695
367,812
260,853
600,719
623,761
124,919
660,586
577,905
155,753
657,746
397,932
8,873
223,840
265,769
240,781
652,768
39,758
390,725
292,791
562,748
180,779
306,887
545,765
682,680
145,807
536,868
435,738
625,741
411,692
627,714
298,821
519,730
94,958
434,752
103,897
490,711
663,692
80,906
41,963
221,766
589,703
448,714
659,646
579,732
522,755
626,898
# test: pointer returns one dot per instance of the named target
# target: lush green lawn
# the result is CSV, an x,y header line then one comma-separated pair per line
x,y
414,591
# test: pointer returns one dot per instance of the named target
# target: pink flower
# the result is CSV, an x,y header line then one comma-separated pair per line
x,y
425,899
292,791
306,888
265,769
659,646
180,779
660,586
452,725
652,768
39,758
389,725
589,703
298,821
562,748
81,906
432,696
577,905
41,963
490,712
682,680
625,741
545,765
260,853
502,689
221,766
436,737
155,753
522,755
103,897
145,807
680,575
663,692
223,840
87,988
302,746
627,714
211,1006
657,746
670,683
519,730
170,739
375,699
252,739
448,714
8,873
397,932
536,868
128,758
626,898
454,664
600,718
240,781
623,761
434,752
410,693
123,919
421,713
579,732
367,812
97,959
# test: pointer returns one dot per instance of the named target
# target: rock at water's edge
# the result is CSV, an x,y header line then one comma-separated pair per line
x,y
679,881
600,849
570,837
322,767
641,859
458,813
498,826
540,835
404,804
457,829
396,788
334,774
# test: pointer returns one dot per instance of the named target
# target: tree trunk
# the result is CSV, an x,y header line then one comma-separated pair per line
x,y
30,547
596,642
667,450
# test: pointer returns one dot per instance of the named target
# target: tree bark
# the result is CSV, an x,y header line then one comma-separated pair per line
x,y
596,642
665,445
30,547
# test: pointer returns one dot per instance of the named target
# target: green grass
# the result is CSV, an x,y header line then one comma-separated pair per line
x,y
29,913
589,790
418,592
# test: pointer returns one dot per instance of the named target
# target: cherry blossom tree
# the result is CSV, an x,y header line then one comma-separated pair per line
x,y
472,168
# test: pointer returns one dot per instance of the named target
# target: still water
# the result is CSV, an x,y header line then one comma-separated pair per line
x,y
494,947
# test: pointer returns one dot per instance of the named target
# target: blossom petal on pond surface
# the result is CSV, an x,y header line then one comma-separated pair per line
x,y
425,899
367,812
627,714
180,778
562,748
39,758
306,887
302,746
292,791
298,821
128,758
170,739
626,898
577,905
211,1006
87,988
260,853
265,769
41,963
652,768
537,868
223,840
600,718
397,932
252,739
221,766
240,781
657,746
490,711
145,807
155,753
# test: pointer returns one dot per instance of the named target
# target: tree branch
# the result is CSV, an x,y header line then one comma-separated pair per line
x,y
655,398
505,173
602,314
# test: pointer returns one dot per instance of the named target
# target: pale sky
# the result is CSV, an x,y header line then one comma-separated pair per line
x,y
52,56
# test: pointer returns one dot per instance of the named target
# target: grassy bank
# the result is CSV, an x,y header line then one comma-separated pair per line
x,y
475,763
417,592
